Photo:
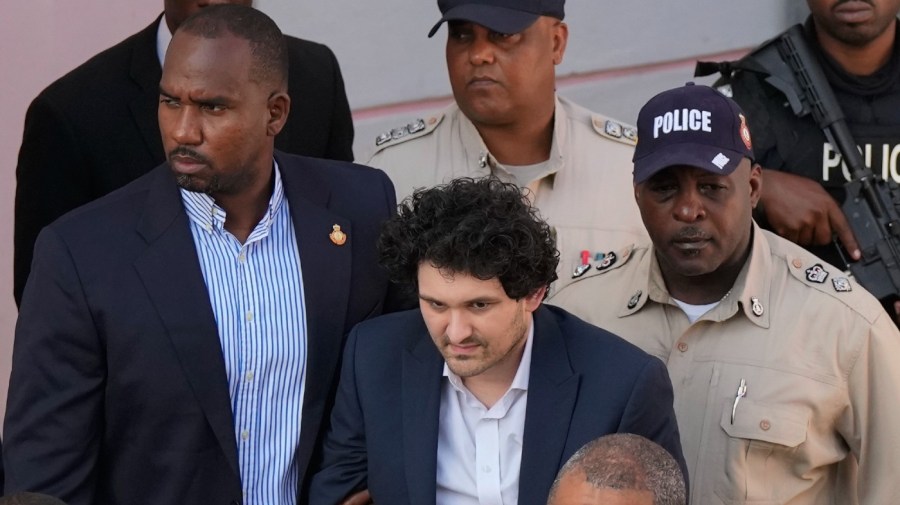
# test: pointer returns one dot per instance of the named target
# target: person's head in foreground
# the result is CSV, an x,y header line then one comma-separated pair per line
x,y
619,469
30,499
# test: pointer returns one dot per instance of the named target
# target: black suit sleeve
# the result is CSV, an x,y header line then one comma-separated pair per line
x,y
49,182
340,138
344,468
54,418
650,412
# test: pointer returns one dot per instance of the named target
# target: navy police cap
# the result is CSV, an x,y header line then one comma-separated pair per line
x,y
502,16
693,126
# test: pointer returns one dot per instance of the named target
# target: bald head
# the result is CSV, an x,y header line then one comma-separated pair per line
x,y
619,469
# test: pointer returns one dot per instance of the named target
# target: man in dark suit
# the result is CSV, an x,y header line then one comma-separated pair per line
x,y
95,129
481,394
179,339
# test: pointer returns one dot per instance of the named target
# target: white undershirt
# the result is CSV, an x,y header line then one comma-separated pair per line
x,y
694,312
480,449
522,175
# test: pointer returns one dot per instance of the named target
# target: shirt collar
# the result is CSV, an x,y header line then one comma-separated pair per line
x,y
749,295
203,210
478,156
163,38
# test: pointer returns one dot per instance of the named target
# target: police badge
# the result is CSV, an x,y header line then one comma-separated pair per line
x,y
816,273
841,284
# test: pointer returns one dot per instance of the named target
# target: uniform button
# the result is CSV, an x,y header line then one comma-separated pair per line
x,y
486,469
797,263
249,376
249,315
682,346
765,425
245,435
242,257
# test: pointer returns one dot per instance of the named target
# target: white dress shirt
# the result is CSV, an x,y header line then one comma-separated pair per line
x,y
479,448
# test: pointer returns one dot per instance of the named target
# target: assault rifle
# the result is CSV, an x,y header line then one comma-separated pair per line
x,y
872,205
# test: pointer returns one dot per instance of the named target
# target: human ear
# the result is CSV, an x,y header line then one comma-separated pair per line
x,y
279,106
560,39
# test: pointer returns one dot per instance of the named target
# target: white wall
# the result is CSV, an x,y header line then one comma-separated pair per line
x,y
619,54
40,40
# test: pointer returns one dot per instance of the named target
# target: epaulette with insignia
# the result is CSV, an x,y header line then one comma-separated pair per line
x,y
414,129
823,277
818,274
614,130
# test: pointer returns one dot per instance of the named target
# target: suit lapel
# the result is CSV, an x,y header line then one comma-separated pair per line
x,y
170,271
146,73
421,398
552,391
326,286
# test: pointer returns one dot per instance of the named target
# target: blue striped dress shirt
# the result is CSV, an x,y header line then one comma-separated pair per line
x,y
256,292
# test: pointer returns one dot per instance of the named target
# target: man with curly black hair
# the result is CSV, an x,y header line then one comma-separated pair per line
x,y
482,393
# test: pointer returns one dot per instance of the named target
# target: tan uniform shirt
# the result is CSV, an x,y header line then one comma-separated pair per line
x,y
586,195
818,356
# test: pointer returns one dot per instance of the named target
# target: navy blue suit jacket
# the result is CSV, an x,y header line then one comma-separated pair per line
x,y
118,392
584,383
95,130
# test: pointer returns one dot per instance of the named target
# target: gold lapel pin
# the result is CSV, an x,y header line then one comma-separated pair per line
x,y
337,236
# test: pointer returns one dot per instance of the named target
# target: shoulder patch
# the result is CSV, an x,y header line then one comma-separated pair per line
x,y
614,130
415,129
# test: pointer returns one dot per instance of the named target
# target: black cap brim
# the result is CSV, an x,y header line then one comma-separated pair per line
x,y
497,19
686,154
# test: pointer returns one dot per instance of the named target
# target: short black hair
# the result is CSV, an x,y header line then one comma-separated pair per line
x,y
267,44
481,227
628,461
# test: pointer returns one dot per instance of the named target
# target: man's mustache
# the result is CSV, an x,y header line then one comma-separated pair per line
x,y
187,152
691,233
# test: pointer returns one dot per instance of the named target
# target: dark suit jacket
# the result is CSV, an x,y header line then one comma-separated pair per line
x,y
95,130
118,393
584,383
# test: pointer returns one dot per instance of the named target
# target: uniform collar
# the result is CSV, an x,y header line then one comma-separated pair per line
x,y
749,295
481,160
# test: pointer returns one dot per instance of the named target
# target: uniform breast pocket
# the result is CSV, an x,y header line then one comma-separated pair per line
x,y
760,455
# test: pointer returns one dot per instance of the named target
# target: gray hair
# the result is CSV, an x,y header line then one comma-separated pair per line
x,y
627,461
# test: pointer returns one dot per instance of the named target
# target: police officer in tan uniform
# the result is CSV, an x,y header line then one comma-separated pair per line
x,y
784,369
508,121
